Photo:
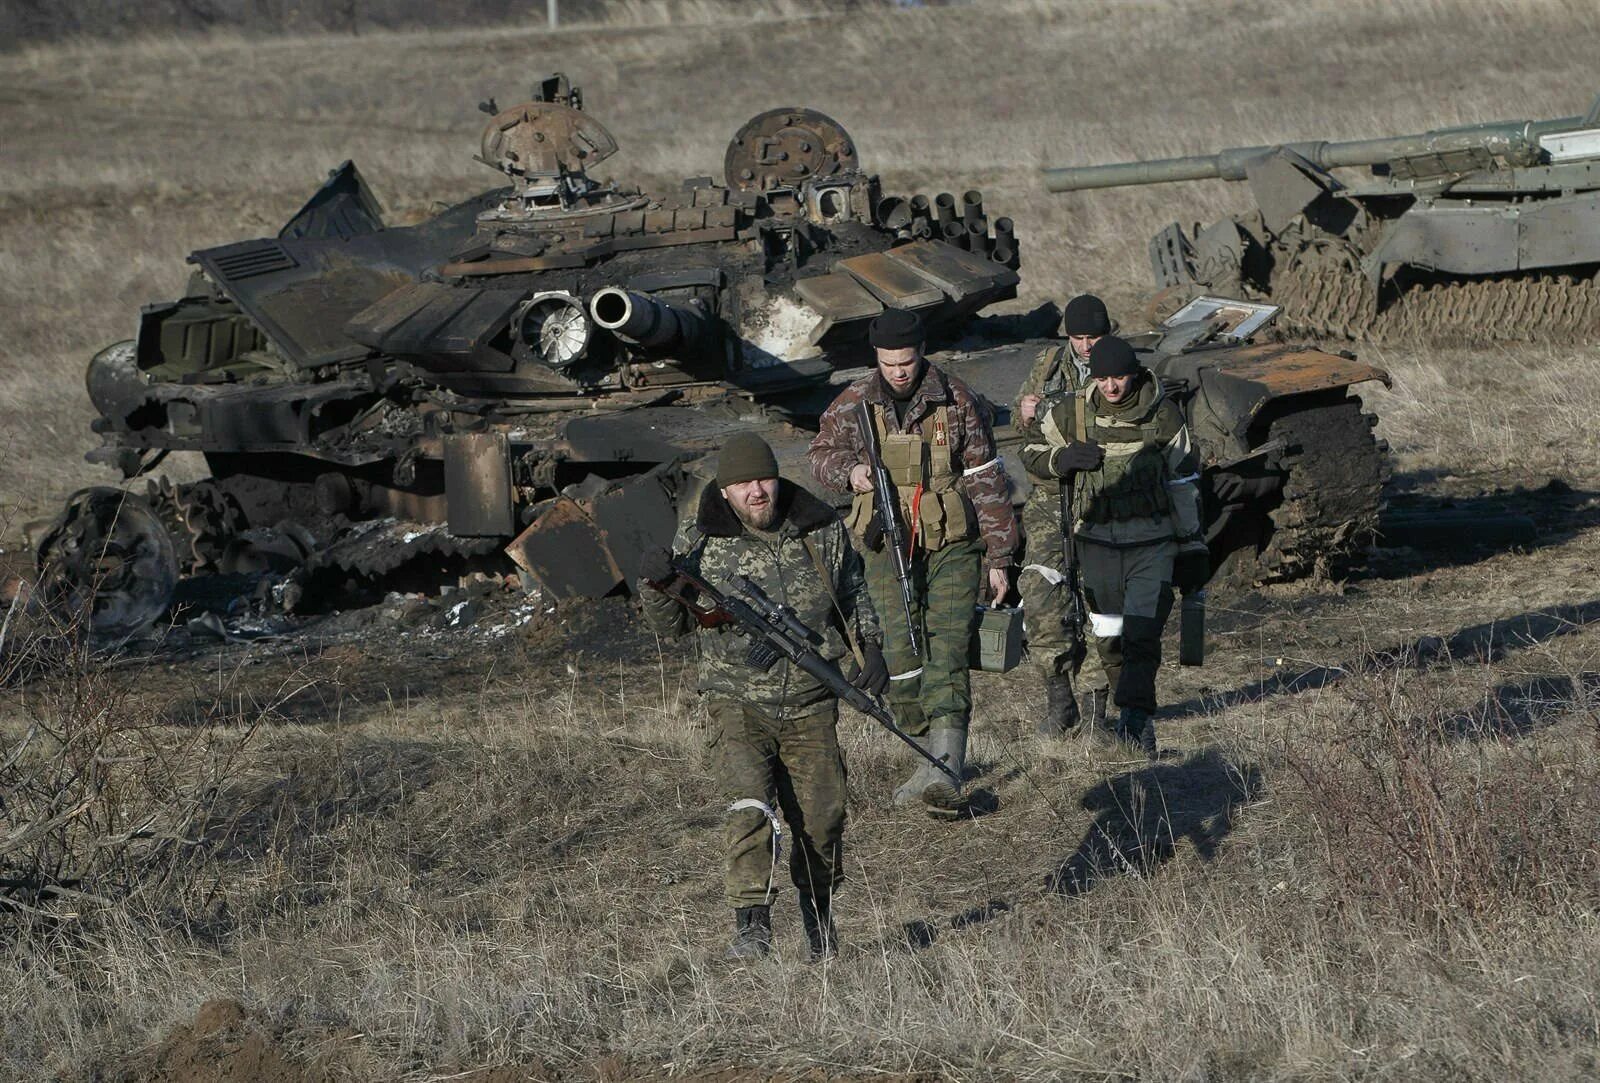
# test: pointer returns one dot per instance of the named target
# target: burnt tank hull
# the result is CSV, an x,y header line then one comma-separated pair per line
x,y
530,377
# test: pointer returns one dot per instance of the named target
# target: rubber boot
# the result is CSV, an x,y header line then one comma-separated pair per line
x,y
816,916
1060,708
1136,729
942,796
911,789
1094,714
752,933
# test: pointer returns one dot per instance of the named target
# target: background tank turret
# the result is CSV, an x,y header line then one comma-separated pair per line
x,y
1485,231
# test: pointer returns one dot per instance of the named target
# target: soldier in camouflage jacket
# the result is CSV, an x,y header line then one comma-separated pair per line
x,y
773,736
952,493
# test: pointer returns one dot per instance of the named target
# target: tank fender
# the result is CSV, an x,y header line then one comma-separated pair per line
x,y
1231,388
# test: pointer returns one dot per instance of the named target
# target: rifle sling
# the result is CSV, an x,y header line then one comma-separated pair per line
x,y
827,585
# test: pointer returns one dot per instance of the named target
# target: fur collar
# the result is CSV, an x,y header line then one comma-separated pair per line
x,y
799,513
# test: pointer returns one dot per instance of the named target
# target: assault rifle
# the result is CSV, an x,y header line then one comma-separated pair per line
x,y
889,521
776,633
1077,613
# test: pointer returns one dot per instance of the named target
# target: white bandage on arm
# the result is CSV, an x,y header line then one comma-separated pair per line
x,y
991,464
1105,625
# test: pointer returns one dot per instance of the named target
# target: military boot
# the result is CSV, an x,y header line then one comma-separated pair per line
x,y
942,796
911,789
752,933
1137,729
1060,708
822,939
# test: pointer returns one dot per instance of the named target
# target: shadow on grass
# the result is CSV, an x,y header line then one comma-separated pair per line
x,y
1515,709
1481,643
1141,817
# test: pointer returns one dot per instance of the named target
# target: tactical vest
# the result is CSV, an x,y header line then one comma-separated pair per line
x,y
1132,482
923,469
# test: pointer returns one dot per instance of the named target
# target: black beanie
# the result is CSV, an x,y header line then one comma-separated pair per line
x,y
895,329
745,457
1086,315
1112,356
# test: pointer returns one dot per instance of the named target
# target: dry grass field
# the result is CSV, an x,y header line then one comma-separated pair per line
x,y
432,857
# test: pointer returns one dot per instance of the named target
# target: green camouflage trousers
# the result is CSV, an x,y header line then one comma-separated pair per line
x,y
1043,587
935,689
793,768
1133,585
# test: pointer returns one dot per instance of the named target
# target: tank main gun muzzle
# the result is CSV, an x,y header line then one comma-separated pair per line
x,y
648,323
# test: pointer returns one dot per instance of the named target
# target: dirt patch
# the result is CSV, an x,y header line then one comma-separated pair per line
x,y
225,1044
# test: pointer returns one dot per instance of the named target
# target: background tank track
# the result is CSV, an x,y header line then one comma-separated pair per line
x,y
1331,497
1335,302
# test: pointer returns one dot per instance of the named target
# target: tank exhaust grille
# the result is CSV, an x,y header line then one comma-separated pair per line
x,y
247,261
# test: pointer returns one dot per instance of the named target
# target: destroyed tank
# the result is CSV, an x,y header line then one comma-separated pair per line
x,y
1485,232
538,378
522,373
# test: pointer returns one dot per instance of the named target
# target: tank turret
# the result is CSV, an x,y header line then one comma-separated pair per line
x,y
1483,231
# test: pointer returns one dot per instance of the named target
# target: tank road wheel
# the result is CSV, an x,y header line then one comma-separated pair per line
x,y
107,563
1327,511
201,519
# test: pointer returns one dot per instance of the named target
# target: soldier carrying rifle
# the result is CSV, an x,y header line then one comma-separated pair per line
x,y
1124,450
773,718
952,511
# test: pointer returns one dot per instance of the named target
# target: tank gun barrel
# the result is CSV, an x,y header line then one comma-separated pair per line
x,y
1513,139
647,322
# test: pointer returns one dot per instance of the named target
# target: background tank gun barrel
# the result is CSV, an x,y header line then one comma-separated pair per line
x,y
647,322
1516,140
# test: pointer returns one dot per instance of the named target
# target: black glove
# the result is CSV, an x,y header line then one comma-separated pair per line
x,y
655,564
1078,455
1232,488
874,675
1191,569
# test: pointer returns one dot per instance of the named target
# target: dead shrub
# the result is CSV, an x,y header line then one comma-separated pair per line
x,y
96,797
1435,828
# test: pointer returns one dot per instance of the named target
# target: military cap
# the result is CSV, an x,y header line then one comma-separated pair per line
x,y
1112,356
896,329
745,457
1086,315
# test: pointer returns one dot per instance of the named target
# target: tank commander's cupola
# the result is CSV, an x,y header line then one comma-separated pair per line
x,y
546,145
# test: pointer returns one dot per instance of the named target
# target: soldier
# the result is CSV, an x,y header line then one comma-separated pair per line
x,y
1059,372
773,736
1125,449
954,499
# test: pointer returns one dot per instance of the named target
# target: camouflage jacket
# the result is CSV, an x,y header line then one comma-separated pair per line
x,y
1058,373
719,547
1148,417
838,447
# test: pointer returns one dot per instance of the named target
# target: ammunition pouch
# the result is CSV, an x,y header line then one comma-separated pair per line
x,y
939,514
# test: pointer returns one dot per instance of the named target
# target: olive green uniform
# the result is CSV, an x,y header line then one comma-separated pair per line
x,y
954,498
773,741
1133,516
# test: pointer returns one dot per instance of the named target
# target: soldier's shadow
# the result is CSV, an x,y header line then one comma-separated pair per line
x,y
1141,817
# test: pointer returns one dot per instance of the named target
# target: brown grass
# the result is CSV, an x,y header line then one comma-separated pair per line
x,y
447,856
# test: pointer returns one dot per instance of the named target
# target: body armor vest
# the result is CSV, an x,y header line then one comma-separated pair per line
x,y
923,468
1132,482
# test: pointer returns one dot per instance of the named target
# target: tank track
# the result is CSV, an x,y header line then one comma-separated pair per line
x,y
1333,302
1328,511
378,549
